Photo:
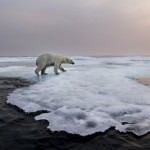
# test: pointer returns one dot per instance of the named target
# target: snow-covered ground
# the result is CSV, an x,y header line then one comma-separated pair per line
x,y
93,95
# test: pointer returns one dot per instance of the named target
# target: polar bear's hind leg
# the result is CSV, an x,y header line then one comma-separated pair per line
x,y
43,71
37,72
38,69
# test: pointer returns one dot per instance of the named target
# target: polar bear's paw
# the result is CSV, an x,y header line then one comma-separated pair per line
x,y
44,74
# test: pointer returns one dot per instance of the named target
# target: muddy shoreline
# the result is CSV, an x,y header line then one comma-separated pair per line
x,y
144,80
19,131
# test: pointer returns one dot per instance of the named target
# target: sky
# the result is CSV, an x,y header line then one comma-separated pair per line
x,y
74,27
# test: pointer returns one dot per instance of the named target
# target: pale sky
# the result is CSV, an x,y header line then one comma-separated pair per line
x,y
74,27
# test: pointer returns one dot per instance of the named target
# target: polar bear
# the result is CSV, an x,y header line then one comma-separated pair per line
x,y
47,60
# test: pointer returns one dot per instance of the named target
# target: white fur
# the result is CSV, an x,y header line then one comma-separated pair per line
x,y
47,60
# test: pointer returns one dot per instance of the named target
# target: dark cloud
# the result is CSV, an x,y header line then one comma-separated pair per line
x,y
81,27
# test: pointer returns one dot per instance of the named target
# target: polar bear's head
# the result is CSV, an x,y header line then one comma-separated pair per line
x,y
68,61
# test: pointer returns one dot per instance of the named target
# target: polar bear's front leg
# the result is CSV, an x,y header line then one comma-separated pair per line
x,y
56,70
62,69
56,67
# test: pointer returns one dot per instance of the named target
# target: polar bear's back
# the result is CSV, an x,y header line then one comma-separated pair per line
x,y
46,59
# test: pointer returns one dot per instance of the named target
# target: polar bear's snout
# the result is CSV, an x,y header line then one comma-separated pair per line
x,y
72,62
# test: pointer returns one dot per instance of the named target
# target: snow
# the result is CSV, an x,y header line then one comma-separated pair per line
x,y
91,96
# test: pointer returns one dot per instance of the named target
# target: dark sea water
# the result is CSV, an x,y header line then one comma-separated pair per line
x,y
19,131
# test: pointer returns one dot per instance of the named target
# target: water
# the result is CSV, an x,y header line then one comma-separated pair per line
x,y
91,96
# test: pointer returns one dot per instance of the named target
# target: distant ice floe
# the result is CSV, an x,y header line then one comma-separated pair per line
x,y
90,97
16,59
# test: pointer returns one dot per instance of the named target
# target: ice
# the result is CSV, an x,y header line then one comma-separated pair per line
x,y
15,59
92,96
